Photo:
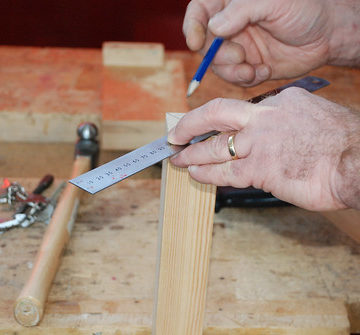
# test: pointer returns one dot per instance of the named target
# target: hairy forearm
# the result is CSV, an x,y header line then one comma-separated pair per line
x,y
345,39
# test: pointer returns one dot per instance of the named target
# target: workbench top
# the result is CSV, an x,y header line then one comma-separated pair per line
x,y
279,270
283,269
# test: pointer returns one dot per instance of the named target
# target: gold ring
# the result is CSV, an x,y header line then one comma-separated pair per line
x,y
231,147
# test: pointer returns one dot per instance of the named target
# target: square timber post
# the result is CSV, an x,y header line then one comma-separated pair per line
x,y
184,245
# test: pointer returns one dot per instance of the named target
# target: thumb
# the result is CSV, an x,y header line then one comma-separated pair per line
x,y
238,14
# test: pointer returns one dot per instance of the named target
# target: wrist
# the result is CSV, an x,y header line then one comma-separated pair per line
x,y
345,37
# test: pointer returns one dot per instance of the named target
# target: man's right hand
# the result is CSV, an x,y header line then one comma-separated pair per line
x,y
271,39
300,147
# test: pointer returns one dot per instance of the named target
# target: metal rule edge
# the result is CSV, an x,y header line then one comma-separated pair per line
x,y
119,169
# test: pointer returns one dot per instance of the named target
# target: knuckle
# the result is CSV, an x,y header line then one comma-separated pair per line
x,y
214,107
291,91
219,148
185,157
215,68
226,174
282,99
202,3
216,103
228,15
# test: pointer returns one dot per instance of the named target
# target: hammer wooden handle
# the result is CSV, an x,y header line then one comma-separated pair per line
x,y
29,306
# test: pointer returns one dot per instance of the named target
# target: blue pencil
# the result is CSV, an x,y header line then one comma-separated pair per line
x,y
195,82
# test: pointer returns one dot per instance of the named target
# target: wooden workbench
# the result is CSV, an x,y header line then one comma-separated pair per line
x,y
273,271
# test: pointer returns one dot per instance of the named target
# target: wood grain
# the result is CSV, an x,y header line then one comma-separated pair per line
x,y
185,235
272,271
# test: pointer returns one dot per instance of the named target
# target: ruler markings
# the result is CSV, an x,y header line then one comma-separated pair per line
x,y
125,166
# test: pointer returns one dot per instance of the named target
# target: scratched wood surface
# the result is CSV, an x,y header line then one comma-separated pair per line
x,y
273,271
46,92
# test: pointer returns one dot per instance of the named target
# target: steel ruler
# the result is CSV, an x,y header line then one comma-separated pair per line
x,y
135,161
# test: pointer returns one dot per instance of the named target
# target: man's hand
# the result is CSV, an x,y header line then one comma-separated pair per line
x,y
298,146
271,39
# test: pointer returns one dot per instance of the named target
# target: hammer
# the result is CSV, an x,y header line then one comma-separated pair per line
x,y
29,307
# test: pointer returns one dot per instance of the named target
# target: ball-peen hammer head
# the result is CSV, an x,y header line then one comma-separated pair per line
x,y
87,131
87,144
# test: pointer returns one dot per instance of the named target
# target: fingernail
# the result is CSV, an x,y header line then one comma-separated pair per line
x,y
173,157
192,168
244,76
262,71
195,38
218,24
171,135
233,56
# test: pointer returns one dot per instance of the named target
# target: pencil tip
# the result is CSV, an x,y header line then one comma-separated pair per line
x,y
192,87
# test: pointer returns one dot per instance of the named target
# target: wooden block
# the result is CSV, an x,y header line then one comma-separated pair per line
x,y
185,235
130,134
135,101
347,220
130,54
143,94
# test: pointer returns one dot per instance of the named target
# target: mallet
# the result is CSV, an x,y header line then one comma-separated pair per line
x,y
29,307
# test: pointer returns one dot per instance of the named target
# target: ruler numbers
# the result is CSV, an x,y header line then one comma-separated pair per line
x,y
123,168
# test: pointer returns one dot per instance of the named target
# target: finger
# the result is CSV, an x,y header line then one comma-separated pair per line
x,y
196,20
213,150
235,73
231,173
237,15
244,74
229,53
195,33
220,114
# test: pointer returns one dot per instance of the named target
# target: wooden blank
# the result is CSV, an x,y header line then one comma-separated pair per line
x,y
135,101
347,220
185,235
131,54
